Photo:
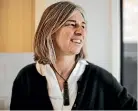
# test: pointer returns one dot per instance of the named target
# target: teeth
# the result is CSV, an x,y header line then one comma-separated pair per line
x,y
76,41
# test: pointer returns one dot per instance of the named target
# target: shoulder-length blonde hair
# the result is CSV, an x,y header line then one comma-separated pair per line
x,y
52,19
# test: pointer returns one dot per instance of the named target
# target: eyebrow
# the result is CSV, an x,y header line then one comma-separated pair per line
x,y
74,21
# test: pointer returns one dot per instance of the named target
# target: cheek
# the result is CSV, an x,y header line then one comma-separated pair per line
x,y
63,37
63,40
67,34
84,34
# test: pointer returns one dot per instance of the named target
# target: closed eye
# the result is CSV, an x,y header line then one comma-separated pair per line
x,y
70,24
83,27
74,25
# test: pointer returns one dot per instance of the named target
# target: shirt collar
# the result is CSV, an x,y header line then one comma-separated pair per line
x,y
41,68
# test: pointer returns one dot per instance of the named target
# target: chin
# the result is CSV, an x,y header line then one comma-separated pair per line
x,y
75,52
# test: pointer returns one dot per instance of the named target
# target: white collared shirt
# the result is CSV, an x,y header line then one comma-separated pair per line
x,y
55,94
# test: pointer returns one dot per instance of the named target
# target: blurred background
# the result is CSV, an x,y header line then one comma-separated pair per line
x,y
111,40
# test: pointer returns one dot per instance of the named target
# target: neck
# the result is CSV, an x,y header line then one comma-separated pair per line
x,y
64,64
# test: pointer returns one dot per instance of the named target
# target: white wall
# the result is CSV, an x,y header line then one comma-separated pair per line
x,y
103,39
10,64
116,38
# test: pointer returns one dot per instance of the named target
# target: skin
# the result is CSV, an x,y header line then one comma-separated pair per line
x,y
65,48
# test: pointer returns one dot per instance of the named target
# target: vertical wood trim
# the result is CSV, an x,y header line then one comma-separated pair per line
x,y
17,25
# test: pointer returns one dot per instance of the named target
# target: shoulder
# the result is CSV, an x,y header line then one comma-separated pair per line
x,y
29,67
26,72
104,77
102,73
99,71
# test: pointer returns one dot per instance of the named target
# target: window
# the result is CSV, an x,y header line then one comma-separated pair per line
x,y
129,18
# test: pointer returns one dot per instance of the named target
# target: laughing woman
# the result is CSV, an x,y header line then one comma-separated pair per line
x,y
61,78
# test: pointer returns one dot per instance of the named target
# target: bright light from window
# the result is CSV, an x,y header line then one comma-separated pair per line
x,y
130,21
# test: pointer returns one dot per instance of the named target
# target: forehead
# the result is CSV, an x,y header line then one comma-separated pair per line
x,y
77,16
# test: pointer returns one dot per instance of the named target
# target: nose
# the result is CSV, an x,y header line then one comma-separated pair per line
x,y
79,31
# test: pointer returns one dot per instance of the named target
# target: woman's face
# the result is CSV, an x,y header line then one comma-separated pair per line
x,y
69,39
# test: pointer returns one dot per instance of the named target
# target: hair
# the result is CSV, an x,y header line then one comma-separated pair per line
x,y
52,19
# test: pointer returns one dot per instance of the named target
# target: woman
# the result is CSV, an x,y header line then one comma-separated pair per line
x,y
61,78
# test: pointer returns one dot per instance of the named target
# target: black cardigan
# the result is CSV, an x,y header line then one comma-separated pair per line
x,y
97,90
